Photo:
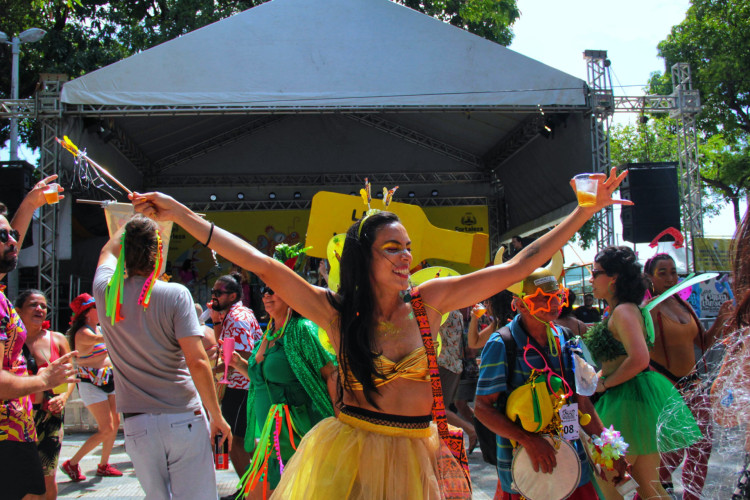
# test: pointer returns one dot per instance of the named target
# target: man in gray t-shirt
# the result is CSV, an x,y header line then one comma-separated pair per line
x,y
163,374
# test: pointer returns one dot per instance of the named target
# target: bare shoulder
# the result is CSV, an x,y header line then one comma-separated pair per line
x,y
87,333
59,338
626,317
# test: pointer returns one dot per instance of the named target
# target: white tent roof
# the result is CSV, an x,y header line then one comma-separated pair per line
x,y
372,54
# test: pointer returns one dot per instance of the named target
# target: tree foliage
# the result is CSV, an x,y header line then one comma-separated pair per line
x,y
490,19
724,164
714,39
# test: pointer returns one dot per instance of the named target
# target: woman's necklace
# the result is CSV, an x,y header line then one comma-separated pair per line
x,y
278,333
387,328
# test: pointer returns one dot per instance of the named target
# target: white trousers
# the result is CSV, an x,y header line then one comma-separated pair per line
x,y
172,455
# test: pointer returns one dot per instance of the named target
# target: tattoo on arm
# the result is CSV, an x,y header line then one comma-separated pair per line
x,y
530,251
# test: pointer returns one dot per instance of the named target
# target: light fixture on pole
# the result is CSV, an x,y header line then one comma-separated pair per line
x,y
28,36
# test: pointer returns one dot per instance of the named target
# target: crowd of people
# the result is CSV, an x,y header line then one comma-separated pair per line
x,y
344,394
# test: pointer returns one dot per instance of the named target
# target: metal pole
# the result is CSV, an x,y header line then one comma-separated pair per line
x,y
15,45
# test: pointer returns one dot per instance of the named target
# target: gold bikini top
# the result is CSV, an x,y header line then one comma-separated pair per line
x,y
413,366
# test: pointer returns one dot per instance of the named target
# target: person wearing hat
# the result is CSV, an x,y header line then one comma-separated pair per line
x,y
164,382
96,387
538,300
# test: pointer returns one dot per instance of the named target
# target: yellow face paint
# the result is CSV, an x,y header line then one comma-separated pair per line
x,y
391,248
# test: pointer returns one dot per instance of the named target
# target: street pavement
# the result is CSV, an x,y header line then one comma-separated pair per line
x,y
726,461
126,487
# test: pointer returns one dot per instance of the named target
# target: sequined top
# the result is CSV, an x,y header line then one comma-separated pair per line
x,y
413,366
602,345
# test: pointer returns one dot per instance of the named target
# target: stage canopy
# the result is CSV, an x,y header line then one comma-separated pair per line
x,y
295,96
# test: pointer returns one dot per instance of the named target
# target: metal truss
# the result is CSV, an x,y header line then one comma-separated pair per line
x,y
322,179
17,108
683,105
245,205
688,105
410,135
102,110
602,105
216,142
126,146
49,164
497,195
514,141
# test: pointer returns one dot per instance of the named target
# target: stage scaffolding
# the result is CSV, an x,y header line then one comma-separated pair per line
x,y
683,105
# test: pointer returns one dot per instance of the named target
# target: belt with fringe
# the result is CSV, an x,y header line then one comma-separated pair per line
x,y
384,423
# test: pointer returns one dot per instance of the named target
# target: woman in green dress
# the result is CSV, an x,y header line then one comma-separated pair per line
x,y
292,384
641,404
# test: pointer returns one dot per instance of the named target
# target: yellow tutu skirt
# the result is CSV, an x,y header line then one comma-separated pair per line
x,y
367,457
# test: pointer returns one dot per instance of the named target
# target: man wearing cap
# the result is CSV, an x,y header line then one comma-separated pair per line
x,y
154,340
538,301
20,467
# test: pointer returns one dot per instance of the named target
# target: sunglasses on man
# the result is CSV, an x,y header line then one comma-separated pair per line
x,y
266,290
6,234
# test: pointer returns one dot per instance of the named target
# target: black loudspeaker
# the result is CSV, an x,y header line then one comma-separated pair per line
x,y
15,181
652,187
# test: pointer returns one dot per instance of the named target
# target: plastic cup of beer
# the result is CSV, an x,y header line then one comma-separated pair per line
x,y
50,194
60,388
479,310
586,186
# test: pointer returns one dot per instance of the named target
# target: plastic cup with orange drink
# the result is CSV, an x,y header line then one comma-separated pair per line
x,y
51,194
586,187
479,310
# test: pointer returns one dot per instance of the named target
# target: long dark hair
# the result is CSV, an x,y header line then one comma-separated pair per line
x,y
500,307
741,271
78,322
354,304
622,261
567,310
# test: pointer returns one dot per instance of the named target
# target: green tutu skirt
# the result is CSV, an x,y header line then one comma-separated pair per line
x,y
650,414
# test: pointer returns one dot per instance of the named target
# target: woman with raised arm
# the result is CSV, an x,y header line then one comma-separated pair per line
x,y
639,403
382,444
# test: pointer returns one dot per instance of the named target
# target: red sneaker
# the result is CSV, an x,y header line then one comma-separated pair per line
x,y
107,470
73,471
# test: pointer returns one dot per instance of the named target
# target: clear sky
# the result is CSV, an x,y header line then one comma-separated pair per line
x,y
557,32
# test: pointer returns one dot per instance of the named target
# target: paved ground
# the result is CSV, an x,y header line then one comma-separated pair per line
x,y
726,461
127,487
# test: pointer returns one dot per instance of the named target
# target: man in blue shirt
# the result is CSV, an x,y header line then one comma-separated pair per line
x,y
538,306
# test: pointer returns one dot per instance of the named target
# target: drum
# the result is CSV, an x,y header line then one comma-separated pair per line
x,y
558,485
